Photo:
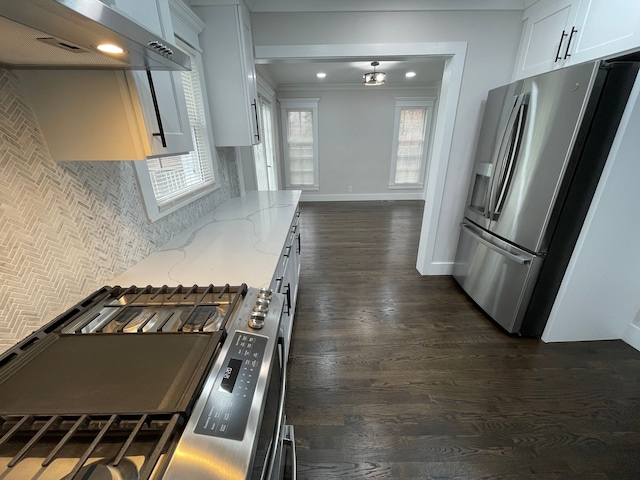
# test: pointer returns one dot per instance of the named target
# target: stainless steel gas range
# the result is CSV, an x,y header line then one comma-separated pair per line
x,y
150,383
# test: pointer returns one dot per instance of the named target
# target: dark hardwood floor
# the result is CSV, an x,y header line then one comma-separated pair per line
x,y
395,375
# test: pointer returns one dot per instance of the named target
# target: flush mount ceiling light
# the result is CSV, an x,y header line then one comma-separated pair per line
x,y
410,74
321,75
374,78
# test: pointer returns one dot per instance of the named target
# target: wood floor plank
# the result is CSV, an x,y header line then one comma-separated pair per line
x,y
395,375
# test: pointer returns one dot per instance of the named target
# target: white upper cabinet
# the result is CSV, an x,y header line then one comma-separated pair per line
x,y
230,74
168,131
547,33
607,27
111,114
557,33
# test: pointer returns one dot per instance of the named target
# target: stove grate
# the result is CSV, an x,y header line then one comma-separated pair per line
x,y
120,432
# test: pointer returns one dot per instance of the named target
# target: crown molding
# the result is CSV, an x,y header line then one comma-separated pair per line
x,y
355,86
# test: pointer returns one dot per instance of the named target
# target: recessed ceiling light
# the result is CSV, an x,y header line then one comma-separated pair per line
x,y
410,74
110,48
321,75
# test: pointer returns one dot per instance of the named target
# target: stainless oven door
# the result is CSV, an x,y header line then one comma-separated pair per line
x,y
277,460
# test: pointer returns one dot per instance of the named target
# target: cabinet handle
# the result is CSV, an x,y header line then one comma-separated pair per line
x,y
566,52
288,294
558,57
288,249
255,111
299,245
157,109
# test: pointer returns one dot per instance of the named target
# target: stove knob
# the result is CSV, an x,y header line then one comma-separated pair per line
x,y
265,293
262,303
256,320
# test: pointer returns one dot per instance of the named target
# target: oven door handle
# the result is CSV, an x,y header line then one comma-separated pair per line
x,y
290,440
275,446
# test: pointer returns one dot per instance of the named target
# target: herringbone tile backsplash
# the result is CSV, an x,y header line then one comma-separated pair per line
x,y
68,228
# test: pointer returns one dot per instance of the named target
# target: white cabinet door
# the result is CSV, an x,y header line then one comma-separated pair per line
x,y
606,27
250,74
230,74
171,112
546,35
169,109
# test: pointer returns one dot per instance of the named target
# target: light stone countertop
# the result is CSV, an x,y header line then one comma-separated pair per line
x,y
238,242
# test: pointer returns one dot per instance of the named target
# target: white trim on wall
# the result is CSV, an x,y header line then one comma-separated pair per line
x,y
446,115
632,336
437,169
359,197
266,53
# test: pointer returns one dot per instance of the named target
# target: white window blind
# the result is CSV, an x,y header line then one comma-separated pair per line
x,y
300,144
179,176
411,133
410,145
300,141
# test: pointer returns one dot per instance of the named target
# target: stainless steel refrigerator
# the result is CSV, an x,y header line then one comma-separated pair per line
x,y
543,144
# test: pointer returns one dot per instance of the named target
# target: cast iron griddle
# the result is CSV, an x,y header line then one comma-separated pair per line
x,y
108,374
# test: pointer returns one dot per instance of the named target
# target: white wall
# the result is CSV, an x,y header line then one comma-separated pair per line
x,y
355,142
492,39
600,293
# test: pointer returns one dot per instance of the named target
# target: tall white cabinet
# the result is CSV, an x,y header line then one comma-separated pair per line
x,y
558,33
230,73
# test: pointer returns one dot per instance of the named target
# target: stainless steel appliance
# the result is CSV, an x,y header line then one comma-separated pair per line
x,y
66,33
542,147
150,383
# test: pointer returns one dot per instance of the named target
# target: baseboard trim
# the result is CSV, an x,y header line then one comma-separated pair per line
x,y
439,268
359,197
632,336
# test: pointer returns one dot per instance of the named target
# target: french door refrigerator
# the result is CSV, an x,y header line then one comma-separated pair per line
x,y
543,144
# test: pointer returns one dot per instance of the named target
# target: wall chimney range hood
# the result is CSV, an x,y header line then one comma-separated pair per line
x,y
65,34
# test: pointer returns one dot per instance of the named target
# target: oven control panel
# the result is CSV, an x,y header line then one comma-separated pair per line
x,y
226,412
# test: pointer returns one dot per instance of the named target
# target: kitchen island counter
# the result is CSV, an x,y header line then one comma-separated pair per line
x,y
238,242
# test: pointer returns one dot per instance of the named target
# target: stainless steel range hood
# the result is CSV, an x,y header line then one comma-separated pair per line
x,y
66,33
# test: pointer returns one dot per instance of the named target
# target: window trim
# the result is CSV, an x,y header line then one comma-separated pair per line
x,y
411,103
184,39
286,105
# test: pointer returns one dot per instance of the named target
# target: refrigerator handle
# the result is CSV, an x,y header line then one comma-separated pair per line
x,y
514,149
511,256
502,153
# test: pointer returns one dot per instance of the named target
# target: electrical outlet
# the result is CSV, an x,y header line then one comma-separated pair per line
x,y
350,188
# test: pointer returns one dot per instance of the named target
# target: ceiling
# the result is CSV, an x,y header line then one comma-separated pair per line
x,y
302,73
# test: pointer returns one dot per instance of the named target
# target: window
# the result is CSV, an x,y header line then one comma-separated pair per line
x,y
169,183
300,141
409,156
173,178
